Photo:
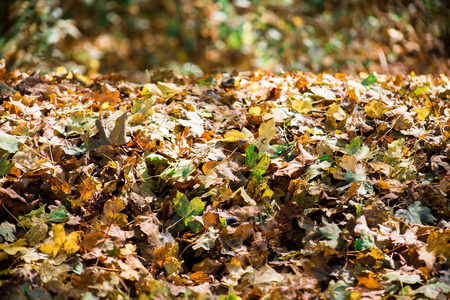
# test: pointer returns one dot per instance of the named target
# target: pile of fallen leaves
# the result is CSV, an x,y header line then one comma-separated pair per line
x,y
242,185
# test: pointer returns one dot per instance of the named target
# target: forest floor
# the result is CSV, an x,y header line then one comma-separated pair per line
x,y
232,186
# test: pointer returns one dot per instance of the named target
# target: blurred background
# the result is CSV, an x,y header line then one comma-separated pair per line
x,y
205,36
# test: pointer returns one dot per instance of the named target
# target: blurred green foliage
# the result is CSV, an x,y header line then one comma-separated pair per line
x,y
194,35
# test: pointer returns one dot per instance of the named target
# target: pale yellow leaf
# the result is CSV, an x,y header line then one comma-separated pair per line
x,y
375,109
12,249
254,87
336,111
266,133
233,136
301,105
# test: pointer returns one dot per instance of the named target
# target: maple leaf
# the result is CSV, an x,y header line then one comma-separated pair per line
x,y
207,240
61,242
331,232
187,209
376,109
257,162
111,212
415,214
438,243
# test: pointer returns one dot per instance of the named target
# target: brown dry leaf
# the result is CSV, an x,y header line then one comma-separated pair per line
x,y
112,212
438,242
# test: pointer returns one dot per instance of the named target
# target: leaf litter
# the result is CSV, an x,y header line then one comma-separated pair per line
x,y
238,185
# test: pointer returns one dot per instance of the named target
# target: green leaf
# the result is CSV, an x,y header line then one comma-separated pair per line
x,y
366,241
420,90
153,158
182,168
207,81
181,204
257,162
195,225
5,166
251,156
331,231
7,231
223,222
433,290
261,167
338,290
415,214
408,279
10,143
371,79
34,213
354,146
350,177
232,296
59,215
74,150
326,157
186,209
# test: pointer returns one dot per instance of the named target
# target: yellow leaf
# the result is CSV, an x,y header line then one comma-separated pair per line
x,y
59,235
446,136
254,86
422,113
169,89
354,295
86,189
336,111
71,244
255,111
438,243
51,248
376,109
12,249
128,249
60,240
233,136
111,212
266,133
301,106
61,70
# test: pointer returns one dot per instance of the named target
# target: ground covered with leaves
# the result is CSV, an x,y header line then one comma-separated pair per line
x,y
242,185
